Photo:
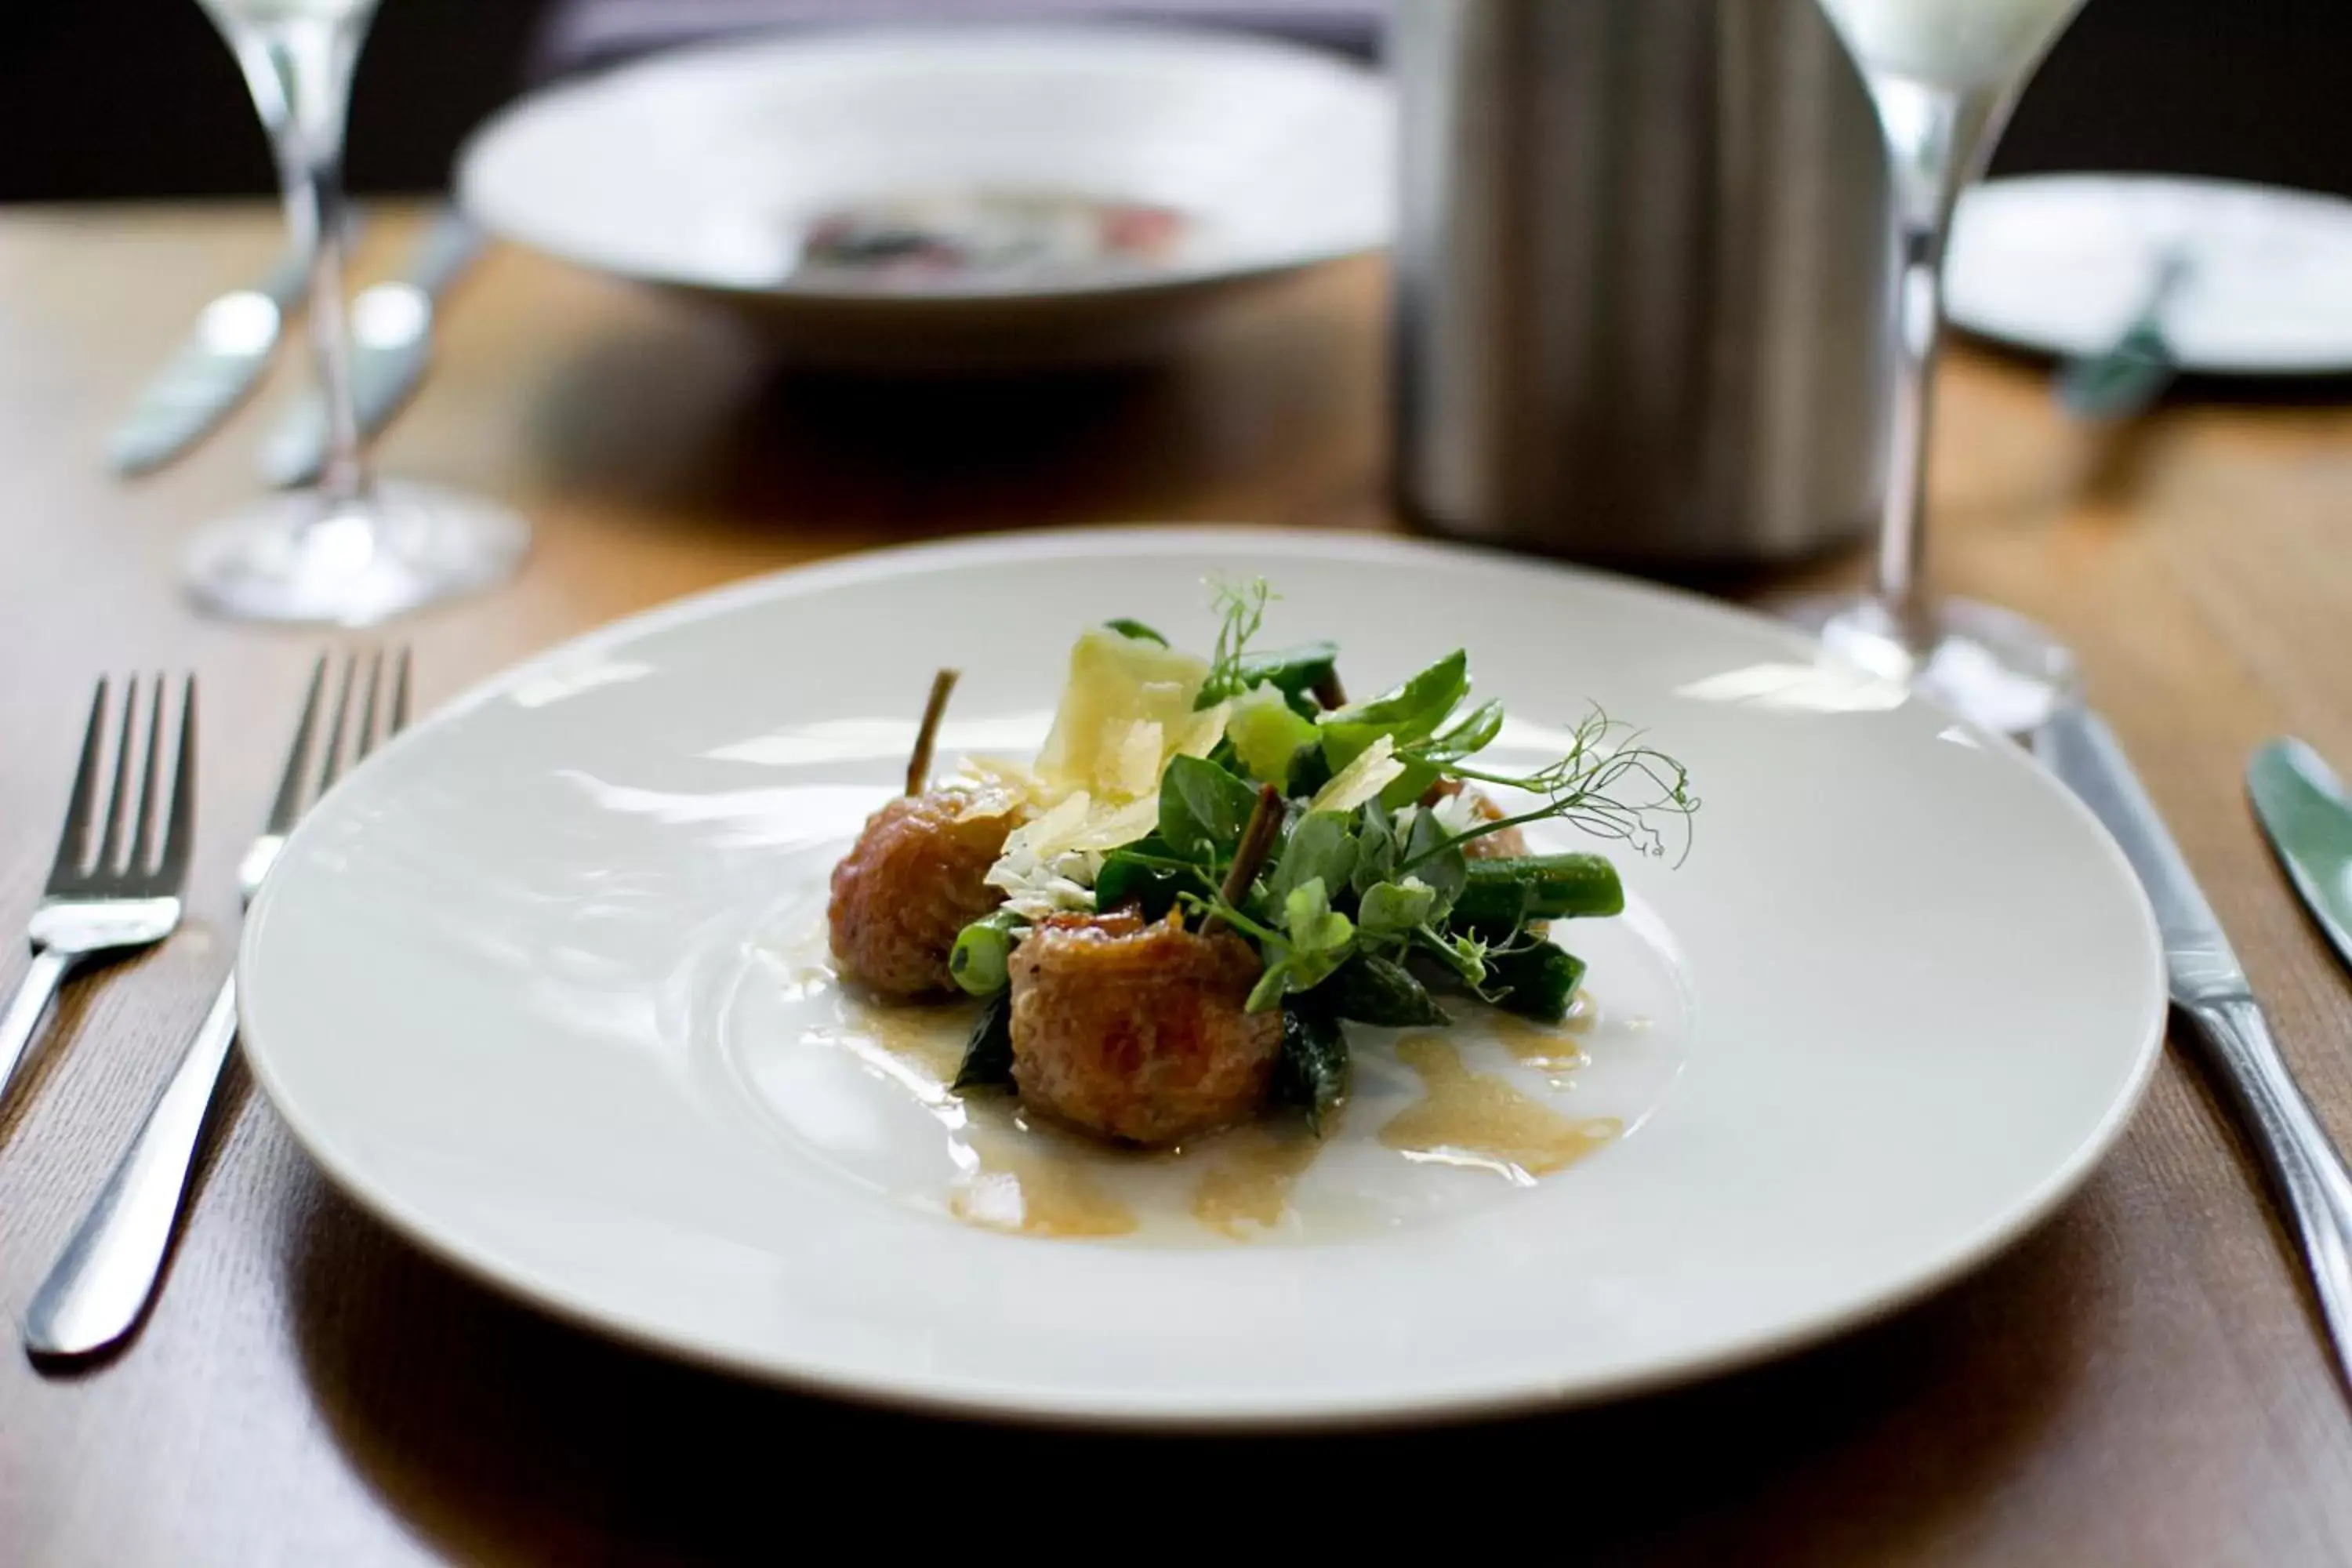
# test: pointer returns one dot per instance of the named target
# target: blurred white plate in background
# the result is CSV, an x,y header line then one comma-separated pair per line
x,y
2062,263
950,196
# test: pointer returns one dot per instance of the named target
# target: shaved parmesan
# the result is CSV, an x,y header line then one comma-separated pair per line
x,y
1374,769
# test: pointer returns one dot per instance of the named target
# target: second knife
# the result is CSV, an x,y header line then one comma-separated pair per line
x,y
2208,987
391,343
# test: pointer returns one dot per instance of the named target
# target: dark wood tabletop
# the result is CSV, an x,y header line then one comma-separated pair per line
x,y
2140,1381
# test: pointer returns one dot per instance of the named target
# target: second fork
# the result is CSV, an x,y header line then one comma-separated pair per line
x,y
100,1284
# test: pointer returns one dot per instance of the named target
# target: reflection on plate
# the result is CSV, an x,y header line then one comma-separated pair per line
x,y
536,985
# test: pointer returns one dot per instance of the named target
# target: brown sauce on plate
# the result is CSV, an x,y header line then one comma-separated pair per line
x,y
1027,1187
1247,1188
1474,1119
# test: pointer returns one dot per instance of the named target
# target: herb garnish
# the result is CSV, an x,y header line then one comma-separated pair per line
x,y
1319,832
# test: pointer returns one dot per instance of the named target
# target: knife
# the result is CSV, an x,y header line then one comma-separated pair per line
x,y
2304,812
391,341
2125,380
2209,987
211,373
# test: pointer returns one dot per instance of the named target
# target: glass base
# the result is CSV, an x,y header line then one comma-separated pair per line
x,y
1985,664
398,547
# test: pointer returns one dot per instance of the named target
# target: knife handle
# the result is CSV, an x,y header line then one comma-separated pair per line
x,y
2296,1151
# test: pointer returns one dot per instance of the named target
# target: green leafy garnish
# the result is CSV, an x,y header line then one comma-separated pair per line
x,y
1366,914
1311,1073
1396,909
1315,939
988,1056
1322,848
1202,810
1241,612
1293,671
1410,712
1136,630
1369,989
1609,786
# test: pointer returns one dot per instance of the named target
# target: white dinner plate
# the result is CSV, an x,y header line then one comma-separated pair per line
x,y
543,984
715,170
2063,263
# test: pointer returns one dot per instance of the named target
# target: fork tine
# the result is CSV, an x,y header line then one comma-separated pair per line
x,y
73,843
364,742
145,814
180,827
118,805
334,765
399,694
288,803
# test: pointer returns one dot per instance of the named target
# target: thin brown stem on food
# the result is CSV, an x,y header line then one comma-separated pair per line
x,y
919,766
1249,856
1329,692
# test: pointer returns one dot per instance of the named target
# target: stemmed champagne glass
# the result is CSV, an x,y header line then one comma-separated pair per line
x,y
355,549
1943,75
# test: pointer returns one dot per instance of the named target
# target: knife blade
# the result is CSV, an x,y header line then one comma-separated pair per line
x,y
2307,817
2125,380
391,345
2209,987
212,371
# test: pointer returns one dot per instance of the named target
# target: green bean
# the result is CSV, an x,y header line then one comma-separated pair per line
x,y
978,960
1501,893
1374,989
1537,982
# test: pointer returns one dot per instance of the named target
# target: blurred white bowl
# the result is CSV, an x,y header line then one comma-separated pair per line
x,y
707,170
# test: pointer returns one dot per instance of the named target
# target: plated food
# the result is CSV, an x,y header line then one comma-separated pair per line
x,y
541,987
1216,864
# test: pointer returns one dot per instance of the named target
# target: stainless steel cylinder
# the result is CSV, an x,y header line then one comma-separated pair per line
x,y
1642,307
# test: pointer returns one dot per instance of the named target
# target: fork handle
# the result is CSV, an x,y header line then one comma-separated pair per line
x,y
23,1018
101,1283
2301,1161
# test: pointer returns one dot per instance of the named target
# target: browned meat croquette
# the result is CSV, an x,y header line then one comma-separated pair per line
x,y
908,885
1136,1031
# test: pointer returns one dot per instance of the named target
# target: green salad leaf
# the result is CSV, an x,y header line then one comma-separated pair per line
x,y
1315,940
1202,810
1311,1073
987,1054
1410,712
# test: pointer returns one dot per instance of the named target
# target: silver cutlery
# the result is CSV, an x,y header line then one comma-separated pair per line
x,y
391,343
115,884
213,370
2124,380
2307,817
101,1282
2209,985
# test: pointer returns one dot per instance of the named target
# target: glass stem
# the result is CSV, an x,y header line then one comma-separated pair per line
x,y
299,71
1935,138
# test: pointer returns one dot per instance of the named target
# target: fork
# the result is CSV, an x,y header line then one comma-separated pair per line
x,y
106,898
101,1282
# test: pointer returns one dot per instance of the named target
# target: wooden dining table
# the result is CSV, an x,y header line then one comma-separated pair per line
x,y
2140,1381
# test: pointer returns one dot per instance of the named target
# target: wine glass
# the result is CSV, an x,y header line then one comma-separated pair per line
x,y
1943,75
354,548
